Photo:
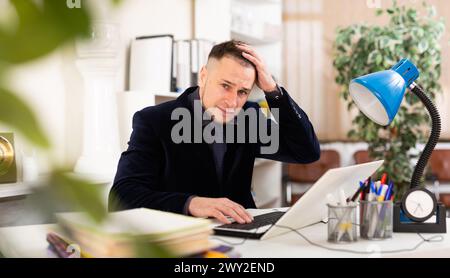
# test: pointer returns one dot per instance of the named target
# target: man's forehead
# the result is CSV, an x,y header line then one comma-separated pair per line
x,y
229,69
227,60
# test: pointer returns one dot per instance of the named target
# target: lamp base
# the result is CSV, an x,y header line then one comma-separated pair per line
x,y
403,224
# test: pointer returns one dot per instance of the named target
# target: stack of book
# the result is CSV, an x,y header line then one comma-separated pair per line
x,y
121,232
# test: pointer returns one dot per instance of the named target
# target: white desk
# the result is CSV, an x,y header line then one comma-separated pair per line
x,y
29,241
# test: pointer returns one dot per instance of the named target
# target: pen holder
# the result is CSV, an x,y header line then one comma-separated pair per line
x,y
341,223
375,219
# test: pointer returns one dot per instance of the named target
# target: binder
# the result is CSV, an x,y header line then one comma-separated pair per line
x,y
200,49
204,47
151,64
183,65
194,62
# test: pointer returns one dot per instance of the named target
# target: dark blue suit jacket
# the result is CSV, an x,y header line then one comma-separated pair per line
x,y
156,173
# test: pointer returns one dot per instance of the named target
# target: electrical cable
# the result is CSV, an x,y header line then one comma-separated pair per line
x,y
436,238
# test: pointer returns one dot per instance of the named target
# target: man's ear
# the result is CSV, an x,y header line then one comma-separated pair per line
x,y
202,77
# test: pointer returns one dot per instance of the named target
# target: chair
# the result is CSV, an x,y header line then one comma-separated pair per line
x,y
306,174
440,172
362,156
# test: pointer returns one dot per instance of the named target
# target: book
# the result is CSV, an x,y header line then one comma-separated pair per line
x,y
118,234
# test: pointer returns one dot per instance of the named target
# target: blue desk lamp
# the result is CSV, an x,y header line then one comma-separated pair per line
x,y
379,95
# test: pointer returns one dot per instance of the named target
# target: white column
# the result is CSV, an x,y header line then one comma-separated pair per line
x,y
98,65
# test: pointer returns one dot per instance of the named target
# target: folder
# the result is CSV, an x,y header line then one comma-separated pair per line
x,y
151,62
183,65
194,62
200,49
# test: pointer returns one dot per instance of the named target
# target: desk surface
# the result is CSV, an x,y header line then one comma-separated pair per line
x,y
29,241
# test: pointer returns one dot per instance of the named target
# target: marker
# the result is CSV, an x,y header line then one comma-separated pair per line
x,y
383,178
378,187
382,193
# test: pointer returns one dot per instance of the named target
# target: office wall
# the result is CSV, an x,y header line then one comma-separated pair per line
x,y
309,33
53,86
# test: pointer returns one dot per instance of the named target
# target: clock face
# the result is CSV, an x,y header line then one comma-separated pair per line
x,y
419,204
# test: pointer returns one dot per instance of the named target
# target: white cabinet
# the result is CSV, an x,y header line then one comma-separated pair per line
x,y
132,101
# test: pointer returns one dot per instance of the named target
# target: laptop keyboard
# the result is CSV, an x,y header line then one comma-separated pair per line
x,y
258,221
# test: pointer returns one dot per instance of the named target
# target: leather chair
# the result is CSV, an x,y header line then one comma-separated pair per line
x,y
439,166
305,174
362,156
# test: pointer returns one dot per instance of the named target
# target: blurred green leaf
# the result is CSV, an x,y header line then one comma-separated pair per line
x,y
15,113
83,195
143,249
41,29
116,2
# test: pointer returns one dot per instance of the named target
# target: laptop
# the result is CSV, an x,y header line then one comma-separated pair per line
x,y
309,209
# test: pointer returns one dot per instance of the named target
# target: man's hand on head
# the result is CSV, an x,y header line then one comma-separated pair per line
x,y
219,208
264,79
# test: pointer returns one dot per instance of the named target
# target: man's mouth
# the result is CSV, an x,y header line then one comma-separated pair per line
x,y
227,112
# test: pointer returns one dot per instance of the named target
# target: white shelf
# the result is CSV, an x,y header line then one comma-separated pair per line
x,y
444,187
156,94
8,190
169,94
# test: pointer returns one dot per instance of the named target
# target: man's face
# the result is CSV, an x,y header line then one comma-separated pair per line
x,y
225,85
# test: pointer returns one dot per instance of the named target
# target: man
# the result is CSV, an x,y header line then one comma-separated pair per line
x,y
205,179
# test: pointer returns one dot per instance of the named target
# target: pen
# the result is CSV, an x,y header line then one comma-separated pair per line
x,y
389,192
367,190
372,191
360,189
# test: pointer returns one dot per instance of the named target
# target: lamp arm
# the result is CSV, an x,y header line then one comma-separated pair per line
x,y
434,135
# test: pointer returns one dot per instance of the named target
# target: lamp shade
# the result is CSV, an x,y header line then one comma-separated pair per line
x,y
379,95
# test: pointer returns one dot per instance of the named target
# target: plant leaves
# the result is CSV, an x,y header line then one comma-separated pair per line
x,y
41,29
15,113
378,47
80,193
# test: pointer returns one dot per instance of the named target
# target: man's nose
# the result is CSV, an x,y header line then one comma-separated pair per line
x,y
231,100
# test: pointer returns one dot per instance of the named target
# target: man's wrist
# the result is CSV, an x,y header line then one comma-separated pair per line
x,y
186,205
271,89
276,93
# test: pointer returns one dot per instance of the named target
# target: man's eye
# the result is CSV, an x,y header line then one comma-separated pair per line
x,y
225,86
243,93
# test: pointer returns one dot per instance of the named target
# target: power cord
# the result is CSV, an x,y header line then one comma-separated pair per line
x,y
436,238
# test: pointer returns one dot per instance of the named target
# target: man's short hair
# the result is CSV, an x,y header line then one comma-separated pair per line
x,y
229,49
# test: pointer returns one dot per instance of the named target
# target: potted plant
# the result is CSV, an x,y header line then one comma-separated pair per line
x,y
361,49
